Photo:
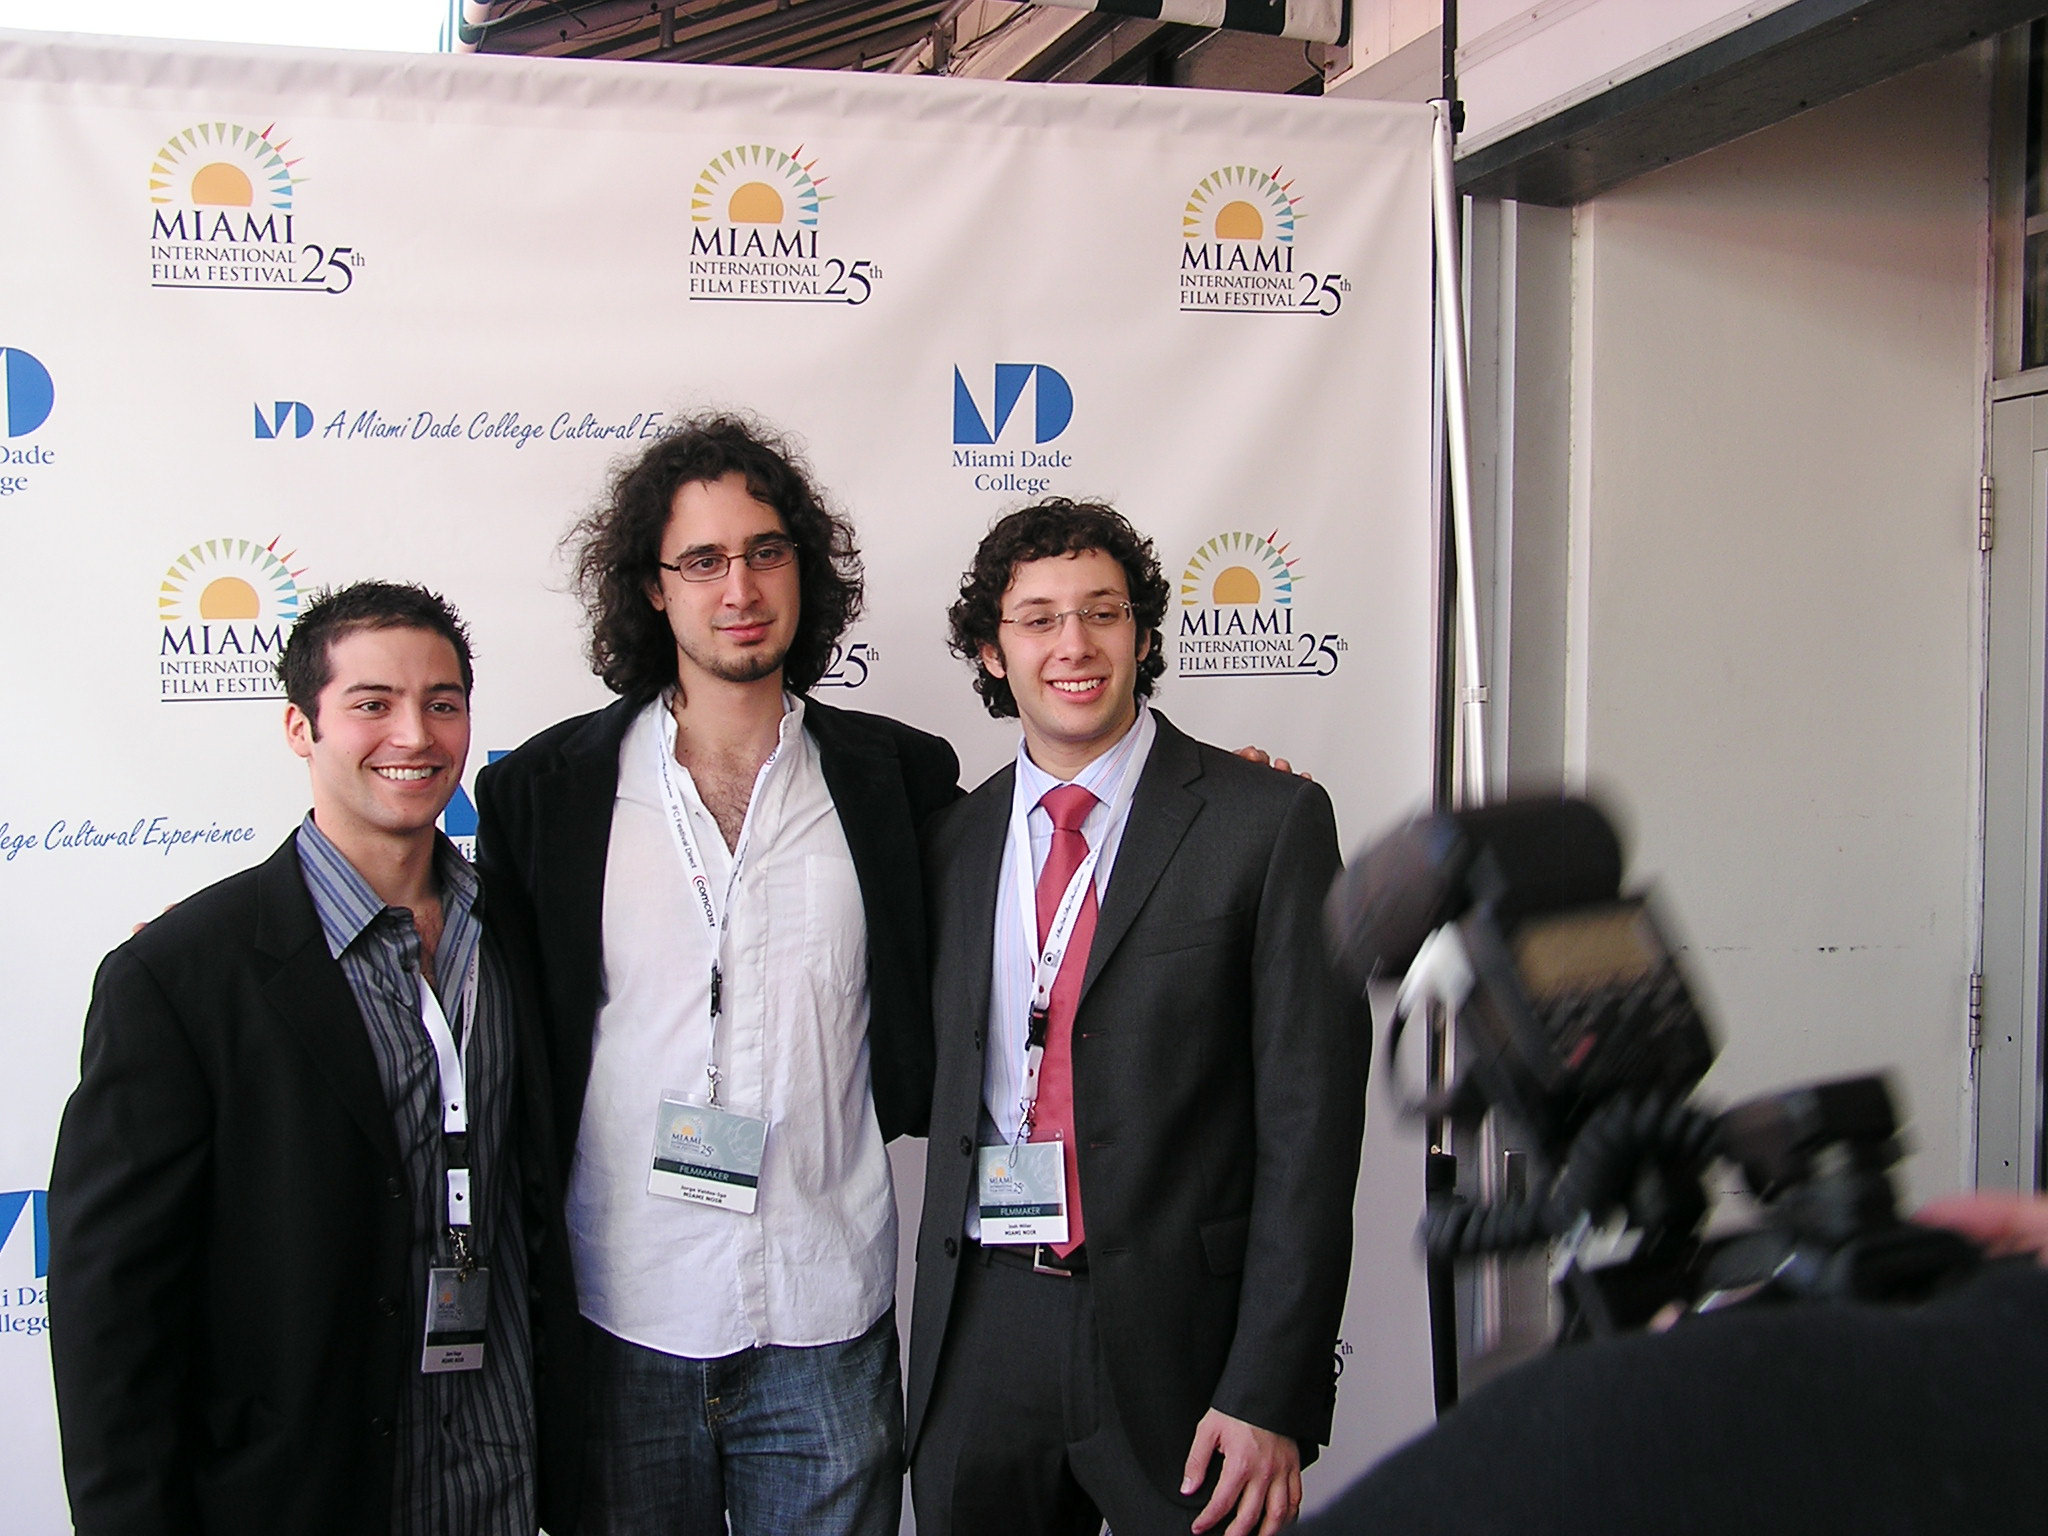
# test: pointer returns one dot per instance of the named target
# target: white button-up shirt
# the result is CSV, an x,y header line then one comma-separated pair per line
x,y
815,1263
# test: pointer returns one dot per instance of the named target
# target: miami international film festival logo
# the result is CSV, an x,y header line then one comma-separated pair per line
x,y
1238,616
1239,248
224,211
226,606
755,215
27,396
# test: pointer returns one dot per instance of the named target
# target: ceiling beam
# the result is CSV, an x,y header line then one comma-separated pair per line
x,y
1796,57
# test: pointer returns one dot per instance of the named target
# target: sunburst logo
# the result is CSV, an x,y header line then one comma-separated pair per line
x,y
1240,203
224,166
1240,249
1239,570
226,606
755,213
223,198
752,185
1238,615
223,581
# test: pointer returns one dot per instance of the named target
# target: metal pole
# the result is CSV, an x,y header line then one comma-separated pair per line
x,y
1440,1169
1450,308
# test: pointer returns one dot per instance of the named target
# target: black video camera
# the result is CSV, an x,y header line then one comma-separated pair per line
x,y
1574,1022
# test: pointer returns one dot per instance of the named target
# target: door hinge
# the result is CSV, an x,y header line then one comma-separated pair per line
x,y
1976,1010
1986,518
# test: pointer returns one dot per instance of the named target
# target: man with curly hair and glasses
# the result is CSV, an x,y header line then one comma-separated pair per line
x,y
1150,1090
718,879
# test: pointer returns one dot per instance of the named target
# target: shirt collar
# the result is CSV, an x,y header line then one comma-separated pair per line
x,y
1101,776
347,905
663,709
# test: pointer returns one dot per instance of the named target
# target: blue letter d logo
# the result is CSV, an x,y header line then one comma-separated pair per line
x,y
26,393
288,418
1054,410
38,1203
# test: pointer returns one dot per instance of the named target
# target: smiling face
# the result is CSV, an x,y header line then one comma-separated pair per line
x,y
1076,688
738,628
392,733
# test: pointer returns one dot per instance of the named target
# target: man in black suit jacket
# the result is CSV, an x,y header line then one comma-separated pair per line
x,y
249,1192
1174,1370
718,879
1779,1420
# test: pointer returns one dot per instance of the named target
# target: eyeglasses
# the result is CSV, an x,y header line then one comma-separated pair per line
x,y
711,564
1095,616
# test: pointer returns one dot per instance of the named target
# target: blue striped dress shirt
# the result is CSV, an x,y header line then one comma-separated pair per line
x,y
464,1439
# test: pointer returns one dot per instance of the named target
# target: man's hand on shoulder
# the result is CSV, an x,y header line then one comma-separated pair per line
x,y
1261,1477
1266,759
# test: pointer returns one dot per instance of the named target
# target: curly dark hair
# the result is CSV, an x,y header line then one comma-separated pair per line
x,y
306,665
617,547
1055,526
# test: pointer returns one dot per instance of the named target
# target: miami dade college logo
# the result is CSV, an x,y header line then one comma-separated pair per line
x,y
27,396
223,211
36,1202
1239,253
459,820
226,605
25,1248
26,392
754,225
287,418
1238,616
991,439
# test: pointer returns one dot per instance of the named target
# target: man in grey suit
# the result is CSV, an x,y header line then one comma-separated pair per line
x,y
1150,1091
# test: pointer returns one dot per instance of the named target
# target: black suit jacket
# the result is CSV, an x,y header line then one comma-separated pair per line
x,y
1219,1098
544,831
1809,1419
229,1230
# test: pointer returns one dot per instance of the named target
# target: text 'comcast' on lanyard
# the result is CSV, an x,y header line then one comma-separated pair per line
x,y
1023,1189
703,1153
458,1295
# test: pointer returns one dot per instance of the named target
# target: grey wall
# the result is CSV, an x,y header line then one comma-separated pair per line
x,y
1741,592
1728,425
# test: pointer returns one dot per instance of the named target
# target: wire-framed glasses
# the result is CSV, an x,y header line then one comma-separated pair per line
x,y
1105,615
711,564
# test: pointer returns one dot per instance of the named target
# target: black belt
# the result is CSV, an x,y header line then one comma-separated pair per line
x,y
1038,1258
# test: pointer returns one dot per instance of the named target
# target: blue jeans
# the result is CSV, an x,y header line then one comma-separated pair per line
x,y
788,1442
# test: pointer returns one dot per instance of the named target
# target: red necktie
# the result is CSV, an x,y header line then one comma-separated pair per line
x,y
1068,805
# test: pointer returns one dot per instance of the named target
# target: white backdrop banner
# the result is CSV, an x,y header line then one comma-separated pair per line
x,y
274,320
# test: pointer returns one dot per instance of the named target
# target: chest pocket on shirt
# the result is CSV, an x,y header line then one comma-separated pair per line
x,y
835,922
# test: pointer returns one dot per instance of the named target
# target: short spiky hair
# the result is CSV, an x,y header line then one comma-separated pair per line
x,y
1053,527
617,550
305,666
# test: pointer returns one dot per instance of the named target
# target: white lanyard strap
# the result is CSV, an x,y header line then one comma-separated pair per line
x,y
1044,972
1059,934
717,916
449,1069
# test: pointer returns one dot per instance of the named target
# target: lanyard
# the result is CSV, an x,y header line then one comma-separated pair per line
x,y
449,1072
717,916
1059,933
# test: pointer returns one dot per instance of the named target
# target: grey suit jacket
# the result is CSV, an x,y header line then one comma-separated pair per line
x,y
1219,1076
